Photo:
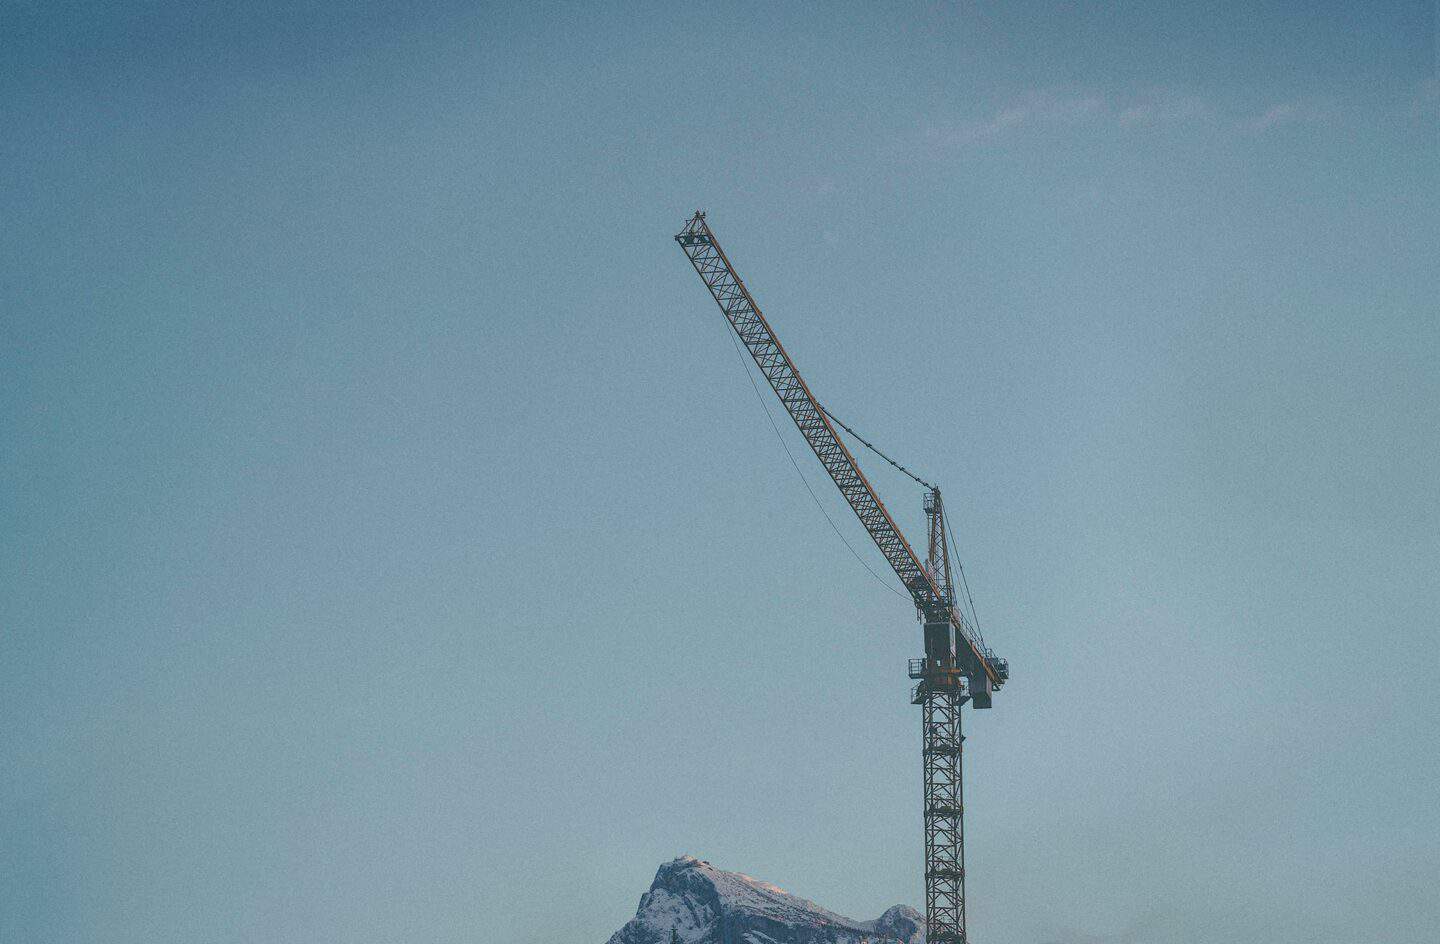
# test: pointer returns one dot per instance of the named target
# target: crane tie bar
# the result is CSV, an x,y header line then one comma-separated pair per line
x,y
873,449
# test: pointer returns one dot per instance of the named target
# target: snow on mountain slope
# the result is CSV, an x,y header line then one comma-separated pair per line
x,y
705,905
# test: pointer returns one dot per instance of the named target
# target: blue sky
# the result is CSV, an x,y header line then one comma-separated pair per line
x,y
395,550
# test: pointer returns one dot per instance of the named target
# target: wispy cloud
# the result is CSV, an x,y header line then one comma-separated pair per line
x,y
1073,108
1158,106
1058,110
1038,107
1280,114
1288,113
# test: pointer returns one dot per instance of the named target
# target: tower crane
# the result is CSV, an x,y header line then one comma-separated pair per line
x,y
957,666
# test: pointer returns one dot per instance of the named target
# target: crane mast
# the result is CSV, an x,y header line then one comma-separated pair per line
x,y
957,666
937,562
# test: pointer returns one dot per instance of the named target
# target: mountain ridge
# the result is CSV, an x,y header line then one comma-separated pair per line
x,y
701,904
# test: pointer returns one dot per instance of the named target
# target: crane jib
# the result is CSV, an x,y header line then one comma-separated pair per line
x,y
740,310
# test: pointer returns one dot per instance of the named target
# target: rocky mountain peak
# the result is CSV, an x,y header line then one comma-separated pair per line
x,y
702,904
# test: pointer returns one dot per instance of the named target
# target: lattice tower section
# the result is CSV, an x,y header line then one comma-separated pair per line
x,y
944,817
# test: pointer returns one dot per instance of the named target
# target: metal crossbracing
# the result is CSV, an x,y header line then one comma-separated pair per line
x,y
940,696
755,333
957,666
944,817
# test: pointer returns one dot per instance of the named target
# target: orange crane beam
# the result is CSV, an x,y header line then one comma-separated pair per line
x,y
985,671
957,666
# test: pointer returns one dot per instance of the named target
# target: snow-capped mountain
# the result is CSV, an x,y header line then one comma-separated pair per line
x,y
704,905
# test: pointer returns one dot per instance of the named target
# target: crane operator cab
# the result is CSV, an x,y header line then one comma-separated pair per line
x,y
939,644
946,664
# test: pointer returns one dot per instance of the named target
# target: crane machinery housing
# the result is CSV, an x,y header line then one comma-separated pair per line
x,y
957,666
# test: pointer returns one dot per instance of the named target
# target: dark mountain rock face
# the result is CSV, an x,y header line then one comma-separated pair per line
x,y
703,905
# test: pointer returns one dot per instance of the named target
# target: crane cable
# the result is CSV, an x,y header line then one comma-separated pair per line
x,y
964,582
873,449
744,362
975,617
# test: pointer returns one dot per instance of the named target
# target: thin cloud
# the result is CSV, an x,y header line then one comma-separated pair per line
x,y
1061,108
1162,106
1279,114
1035,108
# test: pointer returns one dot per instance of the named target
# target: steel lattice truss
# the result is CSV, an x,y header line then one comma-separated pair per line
x,y
944,818
755,333
938,560
957,666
